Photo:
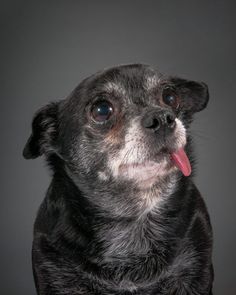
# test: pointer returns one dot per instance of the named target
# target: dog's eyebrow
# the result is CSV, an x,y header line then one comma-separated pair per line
x,y
151,82
118,88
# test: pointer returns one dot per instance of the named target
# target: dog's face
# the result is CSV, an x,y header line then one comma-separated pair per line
x,y
121,130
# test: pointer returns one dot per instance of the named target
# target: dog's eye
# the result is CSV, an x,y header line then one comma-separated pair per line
x,y
101,111
170,98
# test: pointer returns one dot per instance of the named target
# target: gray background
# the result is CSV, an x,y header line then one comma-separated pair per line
x,y
49,46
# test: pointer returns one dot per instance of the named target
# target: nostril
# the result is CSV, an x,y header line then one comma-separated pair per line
x,y
170,120
151,122
155,124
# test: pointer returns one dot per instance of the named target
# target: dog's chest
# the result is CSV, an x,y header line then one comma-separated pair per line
x,y
130,240
129,251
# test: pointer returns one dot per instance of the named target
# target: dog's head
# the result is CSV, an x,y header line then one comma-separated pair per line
x,y
123,129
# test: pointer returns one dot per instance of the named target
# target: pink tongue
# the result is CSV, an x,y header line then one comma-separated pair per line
x,y
181,161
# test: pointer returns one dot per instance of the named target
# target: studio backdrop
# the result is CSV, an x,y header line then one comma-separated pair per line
x,y
48,47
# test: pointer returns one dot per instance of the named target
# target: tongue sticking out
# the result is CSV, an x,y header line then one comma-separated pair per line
x,y
181,161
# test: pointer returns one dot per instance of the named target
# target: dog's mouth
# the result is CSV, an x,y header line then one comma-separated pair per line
x,y
148,171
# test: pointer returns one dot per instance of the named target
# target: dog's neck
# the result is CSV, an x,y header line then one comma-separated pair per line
x,y
116,242
120,200
147,206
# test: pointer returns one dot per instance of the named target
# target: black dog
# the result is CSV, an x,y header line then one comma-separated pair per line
x,y
122,215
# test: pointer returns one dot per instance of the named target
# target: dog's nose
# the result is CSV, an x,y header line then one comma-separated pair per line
x,y
159,120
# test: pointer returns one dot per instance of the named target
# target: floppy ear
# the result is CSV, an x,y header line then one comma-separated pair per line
x,y
195,95
44,132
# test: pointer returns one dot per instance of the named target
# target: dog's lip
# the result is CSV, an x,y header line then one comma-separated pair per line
x,y
162,155
146,164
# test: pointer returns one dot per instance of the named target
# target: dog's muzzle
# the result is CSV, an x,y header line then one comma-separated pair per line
x,y
162,122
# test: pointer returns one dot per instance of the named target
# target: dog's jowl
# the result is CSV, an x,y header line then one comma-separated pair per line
x,y
122,214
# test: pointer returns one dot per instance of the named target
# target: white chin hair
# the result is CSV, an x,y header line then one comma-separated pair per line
x,y
145,174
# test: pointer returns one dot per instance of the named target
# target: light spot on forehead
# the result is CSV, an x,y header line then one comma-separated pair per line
x,y
116,87
151,82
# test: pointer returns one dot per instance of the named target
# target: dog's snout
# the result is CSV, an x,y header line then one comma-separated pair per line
x,y
157,120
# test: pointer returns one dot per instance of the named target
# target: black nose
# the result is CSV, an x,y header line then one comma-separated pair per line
x,y
155,120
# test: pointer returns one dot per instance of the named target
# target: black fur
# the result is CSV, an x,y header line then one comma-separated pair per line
x,y
91,236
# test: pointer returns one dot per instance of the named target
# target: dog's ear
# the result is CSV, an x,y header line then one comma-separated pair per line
x,y
195,95
44,132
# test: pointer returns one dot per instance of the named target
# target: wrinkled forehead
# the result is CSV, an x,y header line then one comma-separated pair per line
x,y
125,81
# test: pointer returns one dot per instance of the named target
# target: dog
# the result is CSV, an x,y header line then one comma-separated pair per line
x,y
122,214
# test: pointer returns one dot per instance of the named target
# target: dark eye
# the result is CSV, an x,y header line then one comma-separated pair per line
x,y
101,111
170,98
